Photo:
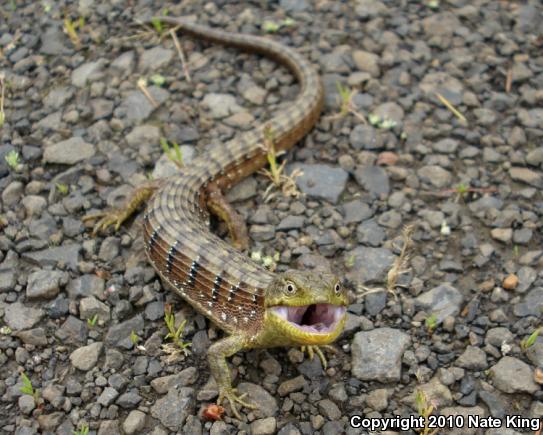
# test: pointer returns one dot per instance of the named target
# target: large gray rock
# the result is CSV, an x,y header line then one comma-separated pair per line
x,y
221,105
173,409
135,422
441,301
267,404
531,305
373,179
87,72
435,176
528,176
69,151
377,354
154,58
119,335
182,379
18,316
511,375
86,357
45,284
473,358
369,265
136,107
321,181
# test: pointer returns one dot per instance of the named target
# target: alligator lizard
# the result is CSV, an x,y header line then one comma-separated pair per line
x,y
254,306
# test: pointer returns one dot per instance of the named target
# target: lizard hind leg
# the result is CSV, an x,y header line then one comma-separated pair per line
x,y
220,207
117,216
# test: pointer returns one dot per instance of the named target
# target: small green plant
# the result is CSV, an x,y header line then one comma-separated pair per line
x,y
516,250
71,27
383,123
27,388
134,338
346,104
431,323
157,79
62,188
5,330
528,342
157,24
271,26
286,183
174,153
268,261
92,321
83,430
175,333
425,409
12,159
350,261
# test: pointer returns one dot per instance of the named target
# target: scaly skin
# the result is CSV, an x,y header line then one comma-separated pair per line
x,y
238,295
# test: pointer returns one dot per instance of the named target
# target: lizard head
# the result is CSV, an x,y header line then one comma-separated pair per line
x,y
308,307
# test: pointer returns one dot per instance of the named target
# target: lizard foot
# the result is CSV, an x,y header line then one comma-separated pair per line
x,y
118,215
107,218
233,398
312,350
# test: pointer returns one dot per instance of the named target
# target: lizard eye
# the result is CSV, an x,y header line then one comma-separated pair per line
x,y
337,288
290,288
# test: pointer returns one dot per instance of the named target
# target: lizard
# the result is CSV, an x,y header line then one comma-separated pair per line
x,y
255,307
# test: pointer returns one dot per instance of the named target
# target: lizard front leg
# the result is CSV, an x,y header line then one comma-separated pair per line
x,y
216,355
312,350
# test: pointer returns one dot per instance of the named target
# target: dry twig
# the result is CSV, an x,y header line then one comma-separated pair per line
x,y
181,55
400,264
449,106
142,85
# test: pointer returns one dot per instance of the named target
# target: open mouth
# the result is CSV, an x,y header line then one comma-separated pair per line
x,y
314,318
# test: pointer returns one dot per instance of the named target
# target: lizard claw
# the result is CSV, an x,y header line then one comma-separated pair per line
x,y
233,398
107,218
312,350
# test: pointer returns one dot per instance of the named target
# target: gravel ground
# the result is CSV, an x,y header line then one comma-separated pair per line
x,y
453,325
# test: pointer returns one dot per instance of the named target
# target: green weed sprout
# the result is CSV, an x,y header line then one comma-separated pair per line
x,y
92,321
173,153
27,388
134,338
431,323
12,159
175,333
83,430
528,342
425,409
62,188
